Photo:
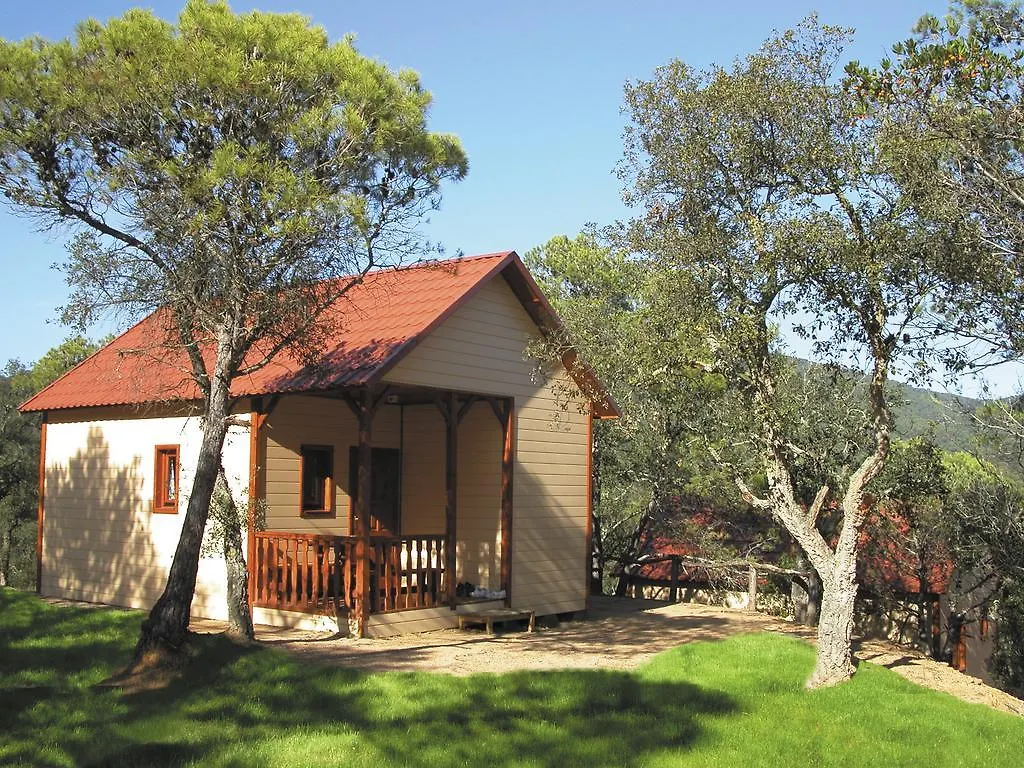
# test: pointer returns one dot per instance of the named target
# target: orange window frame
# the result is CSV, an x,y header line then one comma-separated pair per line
x,y
324,457
166,479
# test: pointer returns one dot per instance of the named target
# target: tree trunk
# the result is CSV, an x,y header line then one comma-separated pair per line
x,y
239,616
923,601
597,558
632,550
596,542
5,554
835,626
800,598
622,585
165,630
806,595
814,590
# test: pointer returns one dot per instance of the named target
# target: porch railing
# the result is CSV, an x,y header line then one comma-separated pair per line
x,y
317,573
303,572
407,572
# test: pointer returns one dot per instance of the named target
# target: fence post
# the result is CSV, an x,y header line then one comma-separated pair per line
x,y
673,592
751,588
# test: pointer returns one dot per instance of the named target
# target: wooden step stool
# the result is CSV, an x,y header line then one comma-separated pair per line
x,y
488,616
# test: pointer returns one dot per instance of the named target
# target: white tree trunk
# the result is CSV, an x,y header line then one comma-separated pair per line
x,y
5,553
233,549
835,625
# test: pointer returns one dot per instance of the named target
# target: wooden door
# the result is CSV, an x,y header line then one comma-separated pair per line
x,y
385,489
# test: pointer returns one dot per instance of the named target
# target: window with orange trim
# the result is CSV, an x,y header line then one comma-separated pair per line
x,y
166,475
317,473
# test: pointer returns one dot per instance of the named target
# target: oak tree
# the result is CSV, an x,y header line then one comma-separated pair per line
x,y
766,197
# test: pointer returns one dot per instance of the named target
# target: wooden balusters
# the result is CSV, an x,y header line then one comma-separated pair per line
x,y
302,572
316,574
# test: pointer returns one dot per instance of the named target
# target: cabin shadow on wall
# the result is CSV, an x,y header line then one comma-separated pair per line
x,y
100,542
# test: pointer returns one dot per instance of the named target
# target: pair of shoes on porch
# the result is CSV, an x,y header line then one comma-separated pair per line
x,y
464,589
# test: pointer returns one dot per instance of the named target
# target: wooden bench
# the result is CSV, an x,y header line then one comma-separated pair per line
x,y
488,616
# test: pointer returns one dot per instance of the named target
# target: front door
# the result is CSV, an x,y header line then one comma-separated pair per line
x,y
386,489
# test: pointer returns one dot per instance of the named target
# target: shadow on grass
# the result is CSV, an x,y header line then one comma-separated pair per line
x,y
238,706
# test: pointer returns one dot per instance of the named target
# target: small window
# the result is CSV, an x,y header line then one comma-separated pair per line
x,y
317,480
165,479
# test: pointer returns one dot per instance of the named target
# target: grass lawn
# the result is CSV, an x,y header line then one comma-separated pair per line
x,y
735,703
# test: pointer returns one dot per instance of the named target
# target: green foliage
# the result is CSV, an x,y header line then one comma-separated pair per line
x,y
650,466
19,469
264,707
949,102
1007,662
946,420
907,533
953,517
222,166
19,456
985,519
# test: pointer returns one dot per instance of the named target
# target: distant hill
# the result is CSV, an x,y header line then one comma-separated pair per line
x,y
918,412
946,417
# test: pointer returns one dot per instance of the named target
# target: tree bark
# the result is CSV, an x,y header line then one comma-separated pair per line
x,y
835,626
164,632
239,616
814,590
596,542
597,557
5,552
806,596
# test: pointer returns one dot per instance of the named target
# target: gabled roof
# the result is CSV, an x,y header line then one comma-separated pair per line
x,y
379,321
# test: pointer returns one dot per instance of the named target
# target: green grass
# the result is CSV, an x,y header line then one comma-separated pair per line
x,y
739,702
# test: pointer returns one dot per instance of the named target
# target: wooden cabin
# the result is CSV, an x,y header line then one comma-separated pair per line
x,y
423,452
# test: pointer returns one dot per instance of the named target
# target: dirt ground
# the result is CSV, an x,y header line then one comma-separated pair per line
x,y
618,634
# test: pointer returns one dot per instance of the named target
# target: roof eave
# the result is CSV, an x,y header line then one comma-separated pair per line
x,y
544,315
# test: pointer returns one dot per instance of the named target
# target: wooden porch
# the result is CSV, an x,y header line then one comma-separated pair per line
x,y
373,568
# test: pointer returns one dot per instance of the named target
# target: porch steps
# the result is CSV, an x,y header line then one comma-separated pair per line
x,y
422,619
308,622
379,624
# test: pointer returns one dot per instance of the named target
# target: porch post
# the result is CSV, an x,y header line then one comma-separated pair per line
x,y
361,518
507,466
451,488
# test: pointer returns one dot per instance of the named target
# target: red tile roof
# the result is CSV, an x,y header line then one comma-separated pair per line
x,y
377,322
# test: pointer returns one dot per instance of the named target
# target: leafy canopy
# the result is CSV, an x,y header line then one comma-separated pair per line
x,y
221,167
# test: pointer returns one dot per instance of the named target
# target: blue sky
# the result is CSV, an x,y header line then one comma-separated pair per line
x,y
533,89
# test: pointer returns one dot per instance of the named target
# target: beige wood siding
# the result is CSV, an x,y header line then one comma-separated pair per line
x,y
299,420
423,491
479,498
101,540
480,349
302,420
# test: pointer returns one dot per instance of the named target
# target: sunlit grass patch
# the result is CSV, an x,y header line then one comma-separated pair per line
x,y
736,702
